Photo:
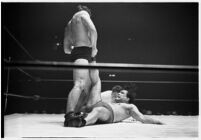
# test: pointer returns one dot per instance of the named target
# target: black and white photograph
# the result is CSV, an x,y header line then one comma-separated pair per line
x,y
99,70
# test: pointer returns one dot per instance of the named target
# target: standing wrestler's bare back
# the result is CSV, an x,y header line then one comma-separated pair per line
x,y
80,32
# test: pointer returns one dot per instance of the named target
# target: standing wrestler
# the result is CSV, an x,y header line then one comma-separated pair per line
x,y
80,39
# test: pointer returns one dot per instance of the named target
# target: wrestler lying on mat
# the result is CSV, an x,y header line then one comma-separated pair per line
x,y
118,108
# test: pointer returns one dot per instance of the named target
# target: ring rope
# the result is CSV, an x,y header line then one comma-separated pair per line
x,y
19,44
16,95
7,85
26,73
38,97
168,100
67,65
121,81
34,97
21,70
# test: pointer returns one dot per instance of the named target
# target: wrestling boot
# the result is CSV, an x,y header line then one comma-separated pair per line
x,y
77,122
68,117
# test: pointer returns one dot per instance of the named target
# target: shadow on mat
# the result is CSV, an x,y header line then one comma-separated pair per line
x,y
60,123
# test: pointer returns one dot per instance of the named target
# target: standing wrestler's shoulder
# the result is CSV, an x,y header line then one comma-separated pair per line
x,y
80,14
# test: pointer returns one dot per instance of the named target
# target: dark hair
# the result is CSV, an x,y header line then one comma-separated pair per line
x,y
82,7
131,88
117,88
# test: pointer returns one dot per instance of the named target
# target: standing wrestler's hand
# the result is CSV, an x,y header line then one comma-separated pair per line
x,y
94,52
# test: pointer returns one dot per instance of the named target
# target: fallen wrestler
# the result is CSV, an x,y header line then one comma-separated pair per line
x,y
119,110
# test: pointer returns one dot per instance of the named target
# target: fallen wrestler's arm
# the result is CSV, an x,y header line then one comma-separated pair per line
x,y
136,114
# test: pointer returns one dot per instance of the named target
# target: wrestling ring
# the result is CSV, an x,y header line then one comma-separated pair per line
x,y
31,125
49,124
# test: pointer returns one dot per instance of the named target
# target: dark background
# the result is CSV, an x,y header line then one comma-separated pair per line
x,y
138,33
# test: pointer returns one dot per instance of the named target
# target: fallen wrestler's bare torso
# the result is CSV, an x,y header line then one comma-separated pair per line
x,y
121,111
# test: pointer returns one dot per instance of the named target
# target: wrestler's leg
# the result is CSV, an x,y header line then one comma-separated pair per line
x,y
81,83
98,113
95,93
82,101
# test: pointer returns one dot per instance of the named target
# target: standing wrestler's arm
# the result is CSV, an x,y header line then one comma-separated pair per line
x,y
92,33
136,114
67,40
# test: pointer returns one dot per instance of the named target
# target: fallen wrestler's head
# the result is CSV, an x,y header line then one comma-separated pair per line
x,y
124,94
85,8
115,90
